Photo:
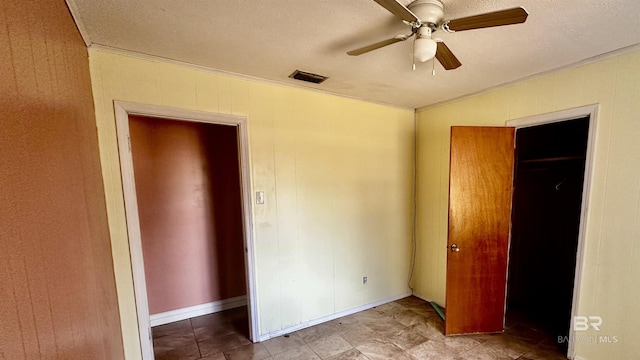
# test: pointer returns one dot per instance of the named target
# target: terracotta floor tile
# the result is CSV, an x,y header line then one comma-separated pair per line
x,y
543,354
529,334
330,346
352,354
460,344
346,323
391,308
482,353
317,332
428,331
218,356
402,356
175,328
425,310
411,301
408,318
433,349
407,329
176,346
369,316
212,331
386,327
361,335
380,350
301,353
222,344
248,352
509,346
281,344
408,339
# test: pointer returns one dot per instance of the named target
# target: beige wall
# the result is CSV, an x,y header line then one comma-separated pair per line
x,y
611,277
337,174
57,289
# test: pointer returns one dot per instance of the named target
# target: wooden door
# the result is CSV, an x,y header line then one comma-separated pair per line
x,y
480,188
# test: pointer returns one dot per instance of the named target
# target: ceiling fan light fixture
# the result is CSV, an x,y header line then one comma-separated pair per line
x,y
424,49
427,16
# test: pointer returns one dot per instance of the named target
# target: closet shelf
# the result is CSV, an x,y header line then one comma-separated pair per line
x,y
553,159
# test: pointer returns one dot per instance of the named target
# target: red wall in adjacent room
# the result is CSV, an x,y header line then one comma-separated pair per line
x,y
57,288
188,191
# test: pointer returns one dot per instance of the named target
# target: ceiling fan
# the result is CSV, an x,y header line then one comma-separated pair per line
x,y
427,16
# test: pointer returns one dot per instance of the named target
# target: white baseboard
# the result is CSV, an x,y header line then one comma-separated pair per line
x,y
273,334
197,310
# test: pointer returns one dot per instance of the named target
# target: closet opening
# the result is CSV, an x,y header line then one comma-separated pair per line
x,y
547,211
188,192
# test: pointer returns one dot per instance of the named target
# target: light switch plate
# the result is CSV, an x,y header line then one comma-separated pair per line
x,y
259,197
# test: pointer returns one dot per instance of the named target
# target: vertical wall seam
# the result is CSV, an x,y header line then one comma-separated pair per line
x,y
33,310
13,285
275,200
604,191
415,200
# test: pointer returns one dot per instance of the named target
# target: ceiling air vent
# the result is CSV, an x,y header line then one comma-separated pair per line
x,y
308,77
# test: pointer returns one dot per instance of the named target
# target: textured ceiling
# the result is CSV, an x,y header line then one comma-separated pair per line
x,y
270,39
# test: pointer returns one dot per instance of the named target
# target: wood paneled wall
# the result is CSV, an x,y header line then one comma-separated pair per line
x,y
57,290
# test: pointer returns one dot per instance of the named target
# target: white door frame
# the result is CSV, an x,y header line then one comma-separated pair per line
x,y
571,114
122,111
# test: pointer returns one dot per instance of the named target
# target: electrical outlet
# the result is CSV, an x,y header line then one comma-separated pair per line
x,y
364,279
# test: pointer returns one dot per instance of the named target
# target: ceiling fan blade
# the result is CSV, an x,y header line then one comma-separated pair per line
x,y
497,18
378,45
446,57
398,10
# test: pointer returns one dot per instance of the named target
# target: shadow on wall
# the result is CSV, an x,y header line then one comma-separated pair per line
x,y
221,144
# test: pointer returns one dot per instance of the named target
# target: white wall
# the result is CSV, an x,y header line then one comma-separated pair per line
x,y
337,174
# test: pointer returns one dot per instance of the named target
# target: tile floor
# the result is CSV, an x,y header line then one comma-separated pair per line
x,y
404,329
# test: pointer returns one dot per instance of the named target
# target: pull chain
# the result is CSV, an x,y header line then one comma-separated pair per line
x,y
413,59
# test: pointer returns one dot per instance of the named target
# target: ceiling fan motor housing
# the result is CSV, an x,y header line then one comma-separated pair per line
x,y
430,12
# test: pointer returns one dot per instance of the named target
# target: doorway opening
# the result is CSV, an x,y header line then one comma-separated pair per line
x,y
187,197
552,162
189,206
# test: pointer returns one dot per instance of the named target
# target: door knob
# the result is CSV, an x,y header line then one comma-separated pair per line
x,y
455,247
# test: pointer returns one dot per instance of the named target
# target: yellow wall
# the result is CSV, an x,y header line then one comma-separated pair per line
x,y
337,174
611,278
